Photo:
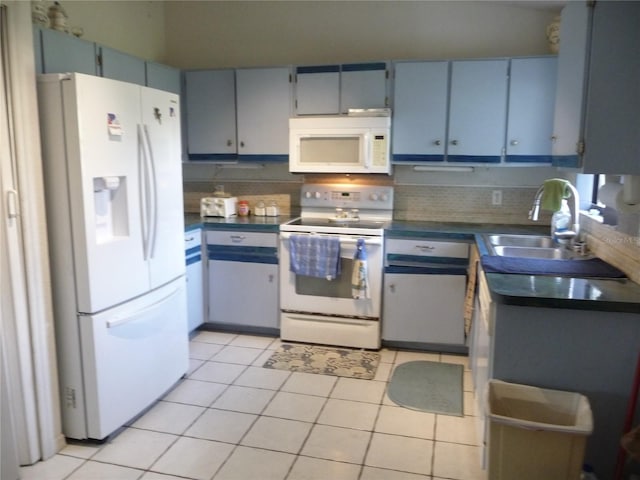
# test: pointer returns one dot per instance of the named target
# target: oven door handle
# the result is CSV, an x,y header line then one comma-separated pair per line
x,y
344,240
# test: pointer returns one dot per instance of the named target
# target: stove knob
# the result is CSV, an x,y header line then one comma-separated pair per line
x,y
373,196
307,194
316,195
384,197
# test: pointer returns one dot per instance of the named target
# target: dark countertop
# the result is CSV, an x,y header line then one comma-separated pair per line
x,y
610,295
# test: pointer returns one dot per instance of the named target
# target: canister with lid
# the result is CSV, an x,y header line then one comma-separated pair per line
x,y
243,208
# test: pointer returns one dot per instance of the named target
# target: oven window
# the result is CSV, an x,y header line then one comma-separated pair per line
x,y
340,150
319,287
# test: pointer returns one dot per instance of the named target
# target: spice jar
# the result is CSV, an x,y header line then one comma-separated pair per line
x,y
243,208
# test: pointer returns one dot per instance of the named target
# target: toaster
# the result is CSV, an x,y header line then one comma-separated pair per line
x,y
218,206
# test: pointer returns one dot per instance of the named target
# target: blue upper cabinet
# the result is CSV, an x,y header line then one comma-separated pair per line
x,y
532,85
318,90
334,89
163,77
122,66
477,111
363,85
420,111
62,53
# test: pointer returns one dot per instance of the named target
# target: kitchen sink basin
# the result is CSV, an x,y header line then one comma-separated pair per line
x,y
535,241
551,253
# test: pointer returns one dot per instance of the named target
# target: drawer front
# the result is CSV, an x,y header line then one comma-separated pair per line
x,y
427,248
240,238
192,238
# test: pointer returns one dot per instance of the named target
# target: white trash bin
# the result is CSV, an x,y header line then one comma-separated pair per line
x,y
536,433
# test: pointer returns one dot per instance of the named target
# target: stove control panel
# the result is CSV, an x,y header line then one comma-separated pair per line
x,y
375,197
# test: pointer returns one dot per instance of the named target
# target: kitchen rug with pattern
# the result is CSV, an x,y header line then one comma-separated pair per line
x,y
428,387
341,362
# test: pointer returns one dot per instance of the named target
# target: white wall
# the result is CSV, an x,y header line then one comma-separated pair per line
x,y
206,34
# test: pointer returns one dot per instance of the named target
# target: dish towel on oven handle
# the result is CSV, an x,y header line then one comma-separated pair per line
x,y
315,256
360,277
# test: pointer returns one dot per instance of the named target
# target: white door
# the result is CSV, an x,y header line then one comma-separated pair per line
x,y
104,184
477,110
161,134
131,356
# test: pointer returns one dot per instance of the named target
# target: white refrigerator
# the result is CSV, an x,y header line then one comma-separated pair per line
x,y
113,190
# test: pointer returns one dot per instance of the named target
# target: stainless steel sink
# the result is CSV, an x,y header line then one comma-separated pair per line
x,y
537,241
552,253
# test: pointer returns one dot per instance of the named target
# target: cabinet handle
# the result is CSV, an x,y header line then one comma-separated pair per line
x,y
229,143
271,278
237,238
514,142
554,138
189,239
392,288
241,144
454,142
425,247
437,142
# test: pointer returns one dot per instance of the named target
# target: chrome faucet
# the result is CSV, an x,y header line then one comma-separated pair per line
x,y
568,234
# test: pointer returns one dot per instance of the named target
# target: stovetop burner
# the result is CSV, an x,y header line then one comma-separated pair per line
x,y
342,223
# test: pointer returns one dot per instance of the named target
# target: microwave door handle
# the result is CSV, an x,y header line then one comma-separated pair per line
x,y
367,153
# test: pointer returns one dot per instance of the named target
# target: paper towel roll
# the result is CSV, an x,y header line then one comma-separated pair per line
x,y
608,194
623,207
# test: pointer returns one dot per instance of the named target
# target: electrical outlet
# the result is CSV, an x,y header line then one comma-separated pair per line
x,y
496,197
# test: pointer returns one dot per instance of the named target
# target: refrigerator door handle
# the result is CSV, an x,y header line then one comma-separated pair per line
x,y
144,209
123,320
153,190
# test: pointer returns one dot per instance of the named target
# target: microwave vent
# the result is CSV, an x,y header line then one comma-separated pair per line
x,y
369,112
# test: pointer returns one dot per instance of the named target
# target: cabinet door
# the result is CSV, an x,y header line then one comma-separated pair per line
x,y
570,85
162,77
612,128
478,111
243,293
211,114
424,308
318,90
420,111
37,50
264,107
63,53
532,84
195,279
363,86
122,66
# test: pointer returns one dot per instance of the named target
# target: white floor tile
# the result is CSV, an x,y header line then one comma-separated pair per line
x,y
218,372
403,357
221,425
135,448
403,421
104,471
169,417
467,381
239,355
457,359
307,468
294,406
371,473
310,384
335,443
221,338
387,355
456,429
244,399
194,364
394,452
262,378
277,434
468,404
459,462
203,351
252,341
193,458
196,392
55,468
251,463
159,476
262,358
359,390
383,373
345,413
80,450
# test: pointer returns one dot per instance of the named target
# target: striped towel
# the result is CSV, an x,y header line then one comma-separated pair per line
x,y
315,256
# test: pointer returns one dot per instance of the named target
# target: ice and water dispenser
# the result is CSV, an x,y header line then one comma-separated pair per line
x,y
111,209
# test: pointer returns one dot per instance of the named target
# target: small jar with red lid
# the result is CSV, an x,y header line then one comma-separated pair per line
x,y
243,208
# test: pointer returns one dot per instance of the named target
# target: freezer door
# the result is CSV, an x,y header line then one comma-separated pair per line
x,y
103,192
131,356
161,132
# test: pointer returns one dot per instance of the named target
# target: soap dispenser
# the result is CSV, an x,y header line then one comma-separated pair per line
x,y
561,222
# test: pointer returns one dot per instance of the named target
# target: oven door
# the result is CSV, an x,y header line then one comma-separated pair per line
x,y
300,293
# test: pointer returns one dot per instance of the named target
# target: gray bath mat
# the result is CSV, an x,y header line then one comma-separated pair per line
x,y
428,387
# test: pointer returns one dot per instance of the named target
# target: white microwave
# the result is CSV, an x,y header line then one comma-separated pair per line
x,y
339,144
